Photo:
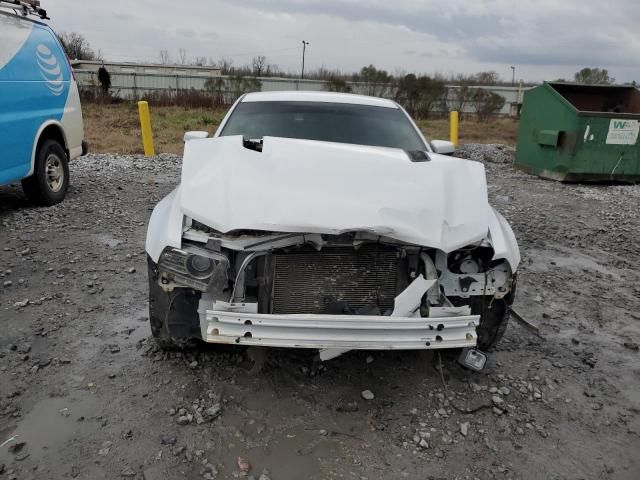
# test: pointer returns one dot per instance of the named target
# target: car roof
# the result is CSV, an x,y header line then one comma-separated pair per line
x,y
327,97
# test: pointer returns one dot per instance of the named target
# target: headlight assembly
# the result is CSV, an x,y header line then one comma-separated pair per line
x,y
194,267
200,267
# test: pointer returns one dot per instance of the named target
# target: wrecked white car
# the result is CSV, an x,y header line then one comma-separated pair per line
x,y
327,221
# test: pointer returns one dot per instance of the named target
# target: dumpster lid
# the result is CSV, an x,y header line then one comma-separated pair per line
x,y
604,100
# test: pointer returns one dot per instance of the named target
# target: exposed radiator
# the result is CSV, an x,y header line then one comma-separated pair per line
x,y
320,282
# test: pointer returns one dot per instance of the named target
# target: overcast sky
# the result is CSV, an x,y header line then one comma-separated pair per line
x,y
544,39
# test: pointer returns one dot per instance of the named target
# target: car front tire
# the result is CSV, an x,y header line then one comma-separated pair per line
x,y
173,316
494,320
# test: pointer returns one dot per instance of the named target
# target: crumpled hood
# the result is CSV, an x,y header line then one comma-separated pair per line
x,y
321,187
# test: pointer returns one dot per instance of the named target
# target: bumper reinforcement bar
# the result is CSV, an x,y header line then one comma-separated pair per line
x,y
352,332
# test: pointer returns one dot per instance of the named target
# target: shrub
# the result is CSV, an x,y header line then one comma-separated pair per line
x,y
487,103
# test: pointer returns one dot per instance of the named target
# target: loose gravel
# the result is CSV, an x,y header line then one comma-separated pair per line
x,y
85,393
487,153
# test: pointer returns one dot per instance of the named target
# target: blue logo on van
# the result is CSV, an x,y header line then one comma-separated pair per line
x,y
50,69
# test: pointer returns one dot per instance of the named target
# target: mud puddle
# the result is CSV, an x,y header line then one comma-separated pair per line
x,y
50,428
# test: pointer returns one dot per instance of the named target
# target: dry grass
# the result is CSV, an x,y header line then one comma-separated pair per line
x,y
116,128
499,130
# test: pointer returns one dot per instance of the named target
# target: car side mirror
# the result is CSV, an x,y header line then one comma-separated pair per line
x,y
443,147
195,135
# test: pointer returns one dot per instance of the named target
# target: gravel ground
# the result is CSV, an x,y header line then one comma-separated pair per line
x,y
84,392
487,153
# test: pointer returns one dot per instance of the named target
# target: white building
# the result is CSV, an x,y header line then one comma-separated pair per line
x,y
146,68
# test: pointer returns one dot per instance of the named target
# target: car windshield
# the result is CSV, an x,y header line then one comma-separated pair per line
x,y
329,122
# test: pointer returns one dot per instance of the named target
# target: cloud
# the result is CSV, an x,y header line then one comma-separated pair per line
x,y
185,32
122,16
543,39
546,32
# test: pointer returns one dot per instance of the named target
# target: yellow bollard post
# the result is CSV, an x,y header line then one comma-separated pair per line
x,y
453,128
145,127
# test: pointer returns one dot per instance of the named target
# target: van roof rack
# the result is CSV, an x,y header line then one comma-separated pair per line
x,y
25,7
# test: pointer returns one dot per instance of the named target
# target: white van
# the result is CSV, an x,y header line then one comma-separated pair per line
x,y
41,127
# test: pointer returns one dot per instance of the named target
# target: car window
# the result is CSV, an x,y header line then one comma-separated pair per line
x,y
330,122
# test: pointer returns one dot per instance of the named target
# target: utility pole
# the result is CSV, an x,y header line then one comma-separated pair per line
x,y
304,49
513,76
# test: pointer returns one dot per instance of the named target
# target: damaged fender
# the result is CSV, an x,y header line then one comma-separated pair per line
x,y
503,240
165,226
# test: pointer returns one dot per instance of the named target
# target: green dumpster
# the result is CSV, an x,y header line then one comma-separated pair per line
x,y
574,133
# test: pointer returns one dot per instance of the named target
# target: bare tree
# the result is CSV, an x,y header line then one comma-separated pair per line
x,y
224,64
323,73
272,70
77,47
165,59
258,65
217,88
183,56
226,90
487,78
461,94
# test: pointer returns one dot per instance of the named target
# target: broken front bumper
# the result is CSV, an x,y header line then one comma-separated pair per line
x,y
345,332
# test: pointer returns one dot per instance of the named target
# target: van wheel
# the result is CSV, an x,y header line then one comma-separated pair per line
x,y
50,180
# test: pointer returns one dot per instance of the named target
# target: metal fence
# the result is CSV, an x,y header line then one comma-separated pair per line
x,y
131,85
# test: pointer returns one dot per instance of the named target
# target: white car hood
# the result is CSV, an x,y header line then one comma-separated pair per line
x,y
321,187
